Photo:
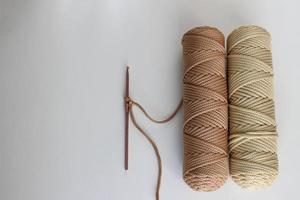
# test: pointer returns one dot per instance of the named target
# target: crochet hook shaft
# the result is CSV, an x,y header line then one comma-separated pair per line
x,y
126,117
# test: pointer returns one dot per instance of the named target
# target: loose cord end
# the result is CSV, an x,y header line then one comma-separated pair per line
x,y
129,103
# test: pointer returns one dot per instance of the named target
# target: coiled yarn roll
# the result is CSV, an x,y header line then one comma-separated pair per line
x,y
205,109
252,140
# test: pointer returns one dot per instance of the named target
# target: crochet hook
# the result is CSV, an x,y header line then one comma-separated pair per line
x,y
126,117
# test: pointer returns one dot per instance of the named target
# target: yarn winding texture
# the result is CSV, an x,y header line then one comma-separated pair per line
x,y
252,126
205,133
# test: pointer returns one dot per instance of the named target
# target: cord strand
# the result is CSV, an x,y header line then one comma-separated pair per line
x,y
132,103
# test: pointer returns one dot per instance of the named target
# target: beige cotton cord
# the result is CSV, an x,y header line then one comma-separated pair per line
x,y
253,136
205,109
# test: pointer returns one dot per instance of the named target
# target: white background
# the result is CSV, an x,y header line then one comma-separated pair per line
x,y
62,67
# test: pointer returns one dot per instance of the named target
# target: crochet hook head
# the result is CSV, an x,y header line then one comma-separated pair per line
x,y
126,117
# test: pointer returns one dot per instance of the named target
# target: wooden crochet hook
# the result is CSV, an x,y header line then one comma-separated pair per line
x,y
126,117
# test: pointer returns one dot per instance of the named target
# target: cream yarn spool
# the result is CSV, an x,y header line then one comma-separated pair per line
x,y
252,127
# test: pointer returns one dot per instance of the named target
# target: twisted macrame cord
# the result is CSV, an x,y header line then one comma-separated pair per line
x,y
205,109
252,140
253,136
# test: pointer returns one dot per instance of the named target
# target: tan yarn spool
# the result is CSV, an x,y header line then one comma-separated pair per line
x,y
205,109
252,145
